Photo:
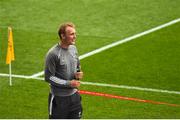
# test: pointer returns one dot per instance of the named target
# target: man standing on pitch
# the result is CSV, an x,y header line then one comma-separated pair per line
x,y
62,71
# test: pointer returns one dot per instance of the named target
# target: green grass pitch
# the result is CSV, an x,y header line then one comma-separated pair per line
x,y
151,61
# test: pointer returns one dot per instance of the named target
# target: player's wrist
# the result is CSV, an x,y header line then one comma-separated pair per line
x,y
68,83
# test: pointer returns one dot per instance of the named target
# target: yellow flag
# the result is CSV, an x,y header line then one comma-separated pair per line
x,y
10,49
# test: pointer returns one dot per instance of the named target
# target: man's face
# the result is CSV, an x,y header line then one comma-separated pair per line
x,y
70,36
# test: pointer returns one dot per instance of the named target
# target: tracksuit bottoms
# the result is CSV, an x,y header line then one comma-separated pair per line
x,y
65,107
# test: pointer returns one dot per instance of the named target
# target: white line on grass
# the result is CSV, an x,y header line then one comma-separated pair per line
x,y
37,74
16,76
131,87
118,42
104,85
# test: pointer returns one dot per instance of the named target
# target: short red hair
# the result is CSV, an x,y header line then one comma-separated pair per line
x,y
62,28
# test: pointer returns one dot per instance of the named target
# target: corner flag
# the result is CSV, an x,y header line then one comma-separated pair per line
x,y
10,49
10,53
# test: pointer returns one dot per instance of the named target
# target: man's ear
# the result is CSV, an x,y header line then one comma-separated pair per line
x,y
63,36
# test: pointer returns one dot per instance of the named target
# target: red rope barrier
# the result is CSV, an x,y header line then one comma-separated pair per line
x,y
125,98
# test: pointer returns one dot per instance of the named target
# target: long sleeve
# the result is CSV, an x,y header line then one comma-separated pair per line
x,y
50,72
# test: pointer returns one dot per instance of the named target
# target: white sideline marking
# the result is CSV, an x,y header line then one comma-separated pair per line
x,y
131,87
17,76
118,42
20,76
37,74
104,85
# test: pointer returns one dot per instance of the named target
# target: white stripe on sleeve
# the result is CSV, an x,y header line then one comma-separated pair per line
x,y
58,81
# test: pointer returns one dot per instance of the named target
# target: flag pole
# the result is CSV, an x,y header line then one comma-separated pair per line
x,y
10,75
10,53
